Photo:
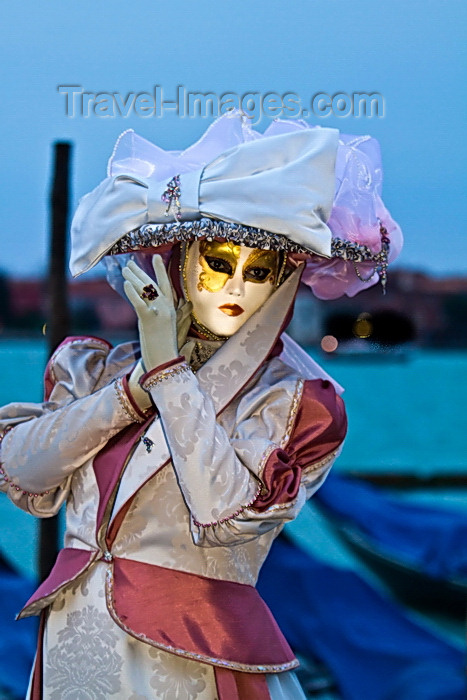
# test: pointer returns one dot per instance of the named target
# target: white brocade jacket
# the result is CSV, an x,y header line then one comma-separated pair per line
x,y
183,505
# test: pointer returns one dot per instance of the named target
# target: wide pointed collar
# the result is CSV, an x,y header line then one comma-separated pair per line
x,y
223,377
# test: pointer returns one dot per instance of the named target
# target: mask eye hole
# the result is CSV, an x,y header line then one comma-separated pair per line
x,y
219,264
258,274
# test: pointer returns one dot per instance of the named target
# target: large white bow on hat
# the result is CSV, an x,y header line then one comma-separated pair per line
x,y
283,184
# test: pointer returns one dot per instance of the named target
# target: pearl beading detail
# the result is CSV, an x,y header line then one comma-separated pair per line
x,y
164,374
221,521
125,403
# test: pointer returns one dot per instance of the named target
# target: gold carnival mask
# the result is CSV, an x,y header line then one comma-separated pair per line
x,y
227,283
219,260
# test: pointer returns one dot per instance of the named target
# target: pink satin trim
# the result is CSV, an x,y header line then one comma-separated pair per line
x,y
320,427
108,464
36,684
70,562
234,685
131,399
281,476
320,424
221,620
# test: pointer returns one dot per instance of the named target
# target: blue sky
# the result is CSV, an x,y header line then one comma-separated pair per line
x,y
413,53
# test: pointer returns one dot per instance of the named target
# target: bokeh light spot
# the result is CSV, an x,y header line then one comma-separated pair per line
x,y
363,327
329,343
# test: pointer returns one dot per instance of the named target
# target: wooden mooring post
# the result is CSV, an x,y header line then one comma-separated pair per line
x,y
58,310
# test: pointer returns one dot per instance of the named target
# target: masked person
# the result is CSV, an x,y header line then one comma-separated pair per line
x,y
181,458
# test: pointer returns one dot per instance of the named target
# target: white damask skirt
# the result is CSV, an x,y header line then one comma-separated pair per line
x,y
87,656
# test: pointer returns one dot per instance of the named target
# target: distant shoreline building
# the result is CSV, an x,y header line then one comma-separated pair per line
x,y
426,310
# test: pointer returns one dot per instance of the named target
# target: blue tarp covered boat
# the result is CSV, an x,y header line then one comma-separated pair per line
x,y
373,649
17,639
420,550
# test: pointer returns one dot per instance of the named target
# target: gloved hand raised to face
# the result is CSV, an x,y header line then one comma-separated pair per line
x,y
157,317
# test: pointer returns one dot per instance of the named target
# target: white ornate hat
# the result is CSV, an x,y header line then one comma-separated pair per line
x,y
273,190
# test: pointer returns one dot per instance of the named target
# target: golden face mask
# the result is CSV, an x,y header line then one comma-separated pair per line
x,y
219,259
216,278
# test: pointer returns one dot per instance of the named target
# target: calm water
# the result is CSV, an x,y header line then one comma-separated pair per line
x,y
403,416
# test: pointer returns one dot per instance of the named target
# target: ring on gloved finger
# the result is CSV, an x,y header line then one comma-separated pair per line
x,y
149,292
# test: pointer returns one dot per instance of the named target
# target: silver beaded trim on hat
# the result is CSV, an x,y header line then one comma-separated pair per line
x,y
155,235
355,253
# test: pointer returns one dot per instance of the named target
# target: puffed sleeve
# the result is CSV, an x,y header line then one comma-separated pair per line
x,y
239,483
43,444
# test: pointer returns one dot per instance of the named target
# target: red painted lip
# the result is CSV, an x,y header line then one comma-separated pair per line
x,y
231,309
